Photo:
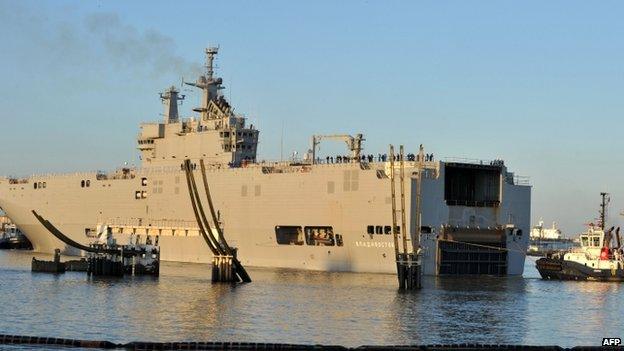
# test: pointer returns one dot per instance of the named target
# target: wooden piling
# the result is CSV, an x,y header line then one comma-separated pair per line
x,y
223,270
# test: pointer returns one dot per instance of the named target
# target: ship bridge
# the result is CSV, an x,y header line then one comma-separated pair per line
x,y
217,135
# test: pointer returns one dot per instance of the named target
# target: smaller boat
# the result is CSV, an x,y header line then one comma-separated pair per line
x,y
12,238
600,256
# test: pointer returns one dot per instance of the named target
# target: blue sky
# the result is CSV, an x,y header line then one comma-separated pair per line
x,y
539,84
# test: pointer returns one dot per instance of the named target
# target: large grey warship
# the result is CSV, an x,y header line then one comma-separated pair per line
x,y
312,213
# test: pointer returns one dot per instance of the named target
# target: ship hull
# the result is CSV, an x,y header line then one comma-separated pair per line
x,y
251,203
556,269
14,244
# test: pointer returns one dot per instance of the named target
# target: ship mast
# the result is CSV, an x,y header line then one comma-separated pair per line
x,y
603,209
170,99
207,83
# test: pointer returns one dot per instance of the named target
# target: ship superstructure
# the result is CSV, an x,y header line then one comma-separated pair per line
x,y
541,232
315,213
544,240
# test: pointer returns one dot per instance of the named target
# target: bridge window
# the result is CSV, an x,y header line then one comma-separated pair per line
x,y
289,235
35,185
596,241
88,183
584,241
319,236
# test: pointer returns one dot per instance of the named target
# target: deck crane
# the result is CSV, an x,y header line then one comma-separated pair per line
x,y
354,144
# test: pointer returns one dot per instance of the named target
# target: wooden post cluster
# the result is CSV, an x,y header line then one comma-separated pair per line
x,y
222,269
107,259
55,266
409,272
127,261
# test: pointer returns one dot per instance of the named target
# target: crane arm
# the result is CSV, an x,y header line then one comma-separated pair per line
x,y
354,144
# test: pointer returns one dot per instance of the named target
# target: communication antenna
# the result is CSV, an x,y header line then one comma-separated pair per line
x,y
230,91
184,86
282,143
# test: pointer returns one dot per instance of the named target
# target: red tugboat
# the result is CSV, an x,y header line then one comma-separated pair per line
x,y
599,258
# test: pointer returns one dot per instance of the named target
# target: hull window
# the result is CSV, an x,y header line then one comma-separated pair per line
x,y
289,235
339,241
320,236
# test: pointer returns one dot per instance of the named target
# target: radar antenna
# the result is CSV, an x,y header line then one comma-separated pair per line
x,y
210,54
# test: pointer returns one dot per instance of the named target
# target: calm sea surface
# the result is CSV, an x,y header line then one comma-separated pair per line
x,y
306,307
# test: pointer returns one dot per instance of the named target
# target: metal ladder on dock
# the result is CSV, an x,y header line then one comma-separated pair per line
x,y
407,261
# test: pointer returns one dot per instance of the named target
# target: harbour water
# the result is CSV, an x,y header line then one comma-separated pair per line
x,y
291,306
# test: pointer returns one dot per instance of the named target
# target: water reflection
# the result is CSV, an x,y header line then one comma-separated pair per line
x,y
306,307
455,309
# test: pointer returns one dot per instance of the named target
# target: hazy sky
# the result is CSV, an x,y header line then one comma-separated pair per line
x,y
537,83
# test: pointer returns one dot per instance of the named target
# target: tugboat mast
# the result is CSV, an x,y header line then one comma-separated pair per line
x,y
603,209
